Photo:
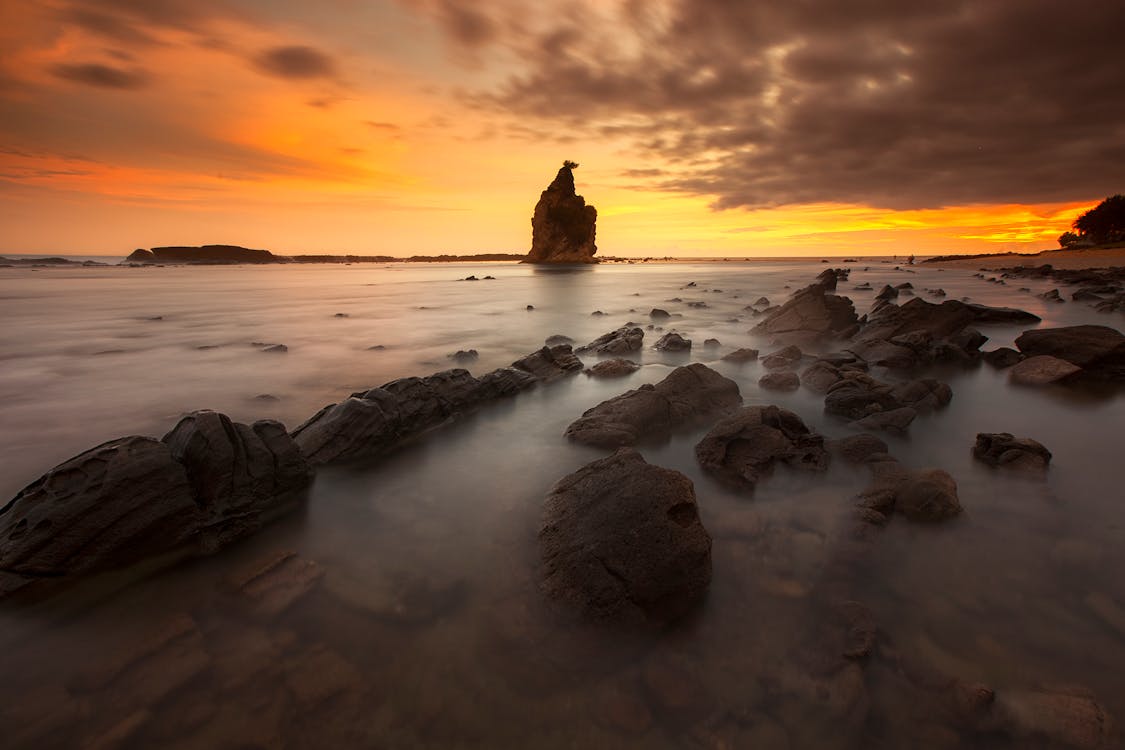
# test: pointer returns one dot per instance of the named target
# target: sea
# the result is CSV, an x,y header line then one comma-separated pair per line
x,y
428,629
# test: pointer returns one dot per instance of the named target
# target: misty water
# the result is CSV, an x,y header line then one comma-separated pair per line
x,y
428,629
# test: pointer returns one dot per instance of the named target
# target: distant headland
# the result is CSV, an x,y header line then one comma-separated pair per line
x,y
234,254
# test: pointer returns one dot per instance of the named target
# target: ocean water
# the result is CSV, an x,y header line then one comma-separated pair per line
x,y
428,630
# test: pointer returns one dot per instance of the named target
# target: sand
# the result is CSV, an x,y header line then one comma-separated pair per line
x,y
1069,259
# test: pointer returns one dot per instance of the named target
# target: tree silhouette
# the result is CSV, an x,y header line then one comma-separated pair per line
x,y
570,164
1104,222
1069,239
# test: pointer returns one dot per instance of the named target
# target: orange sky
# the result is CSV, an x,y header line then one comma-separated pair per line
x,y
136,128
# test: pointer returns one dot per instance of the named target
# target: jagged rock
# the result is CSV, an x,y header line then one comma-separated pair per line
x,y
940,321
505,381
621,541
613,368
741,355
622,341
107,507
1098,350
550,362
241,476
1042,370
1005,450
858,395
687,395
563,226
743,448
888,292
1002,357
779,381
783,358
810,313
672,342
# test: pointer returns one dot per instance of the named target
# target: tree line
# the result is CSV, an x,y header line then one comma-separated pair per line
x,y
1101,225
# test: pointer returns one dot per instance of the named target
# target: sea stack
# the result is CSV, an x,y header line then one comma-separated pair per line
x,y
562,229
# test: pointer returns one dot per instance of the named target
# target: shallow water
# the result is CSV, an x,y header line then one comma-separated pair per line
x,y
427,630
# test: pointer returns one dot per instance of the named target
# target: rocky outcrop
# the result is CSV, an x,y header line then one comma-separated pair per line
x,y
1042,370
612,368
563,226
873,404
209,482
672,342
652,412
1098,350
622,341
810,314
206,254
621,542
744,447
372,423
1002,449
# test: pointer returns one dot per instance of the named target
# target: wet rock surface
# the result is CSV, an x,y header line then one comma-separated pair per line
x,y
744,447
652,412
621,542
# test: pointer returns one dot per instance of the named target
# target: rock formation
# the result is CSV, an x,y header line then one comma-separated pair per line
x,y
206,254
621,542
744,447
562,228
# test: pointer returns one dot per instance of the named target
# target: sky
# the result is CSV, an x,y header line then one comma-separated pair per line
x,y
702,127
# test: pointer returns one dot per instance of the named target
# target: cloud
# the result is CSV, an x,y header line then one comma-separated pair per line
x,y
104,76
900,105
295,62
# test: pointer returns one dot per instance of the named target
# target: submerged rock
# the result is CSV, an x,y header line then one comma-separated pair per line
x,y
612,368
652,412
779,381
563,226
621,542
928,495
739,356
1003,449
744,447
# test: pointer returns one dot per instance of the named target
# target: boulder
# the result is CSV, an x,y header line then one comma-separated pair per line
x,y
107,507
550,362
242,476
621,542
1098,350
810,312
784,358
740,356
652,412
940,321
744,447
1042,370
563,226
1002,357
622,341
928,495
612,368
779,381
658,314
858,395
1003,449
672,342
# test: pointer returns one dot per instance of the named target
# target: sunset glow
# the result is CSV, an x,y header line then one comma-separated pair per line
x,y
402,128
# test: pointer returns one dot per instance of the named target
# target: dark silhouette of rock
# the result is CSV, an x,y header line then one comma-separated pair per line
x,y
1098,350
657,314
652,412
672,342
621,542
558,338
563,226
1002,357
613,368
276,349
464,355
744,447
622,341
1002,449
550,362
206,254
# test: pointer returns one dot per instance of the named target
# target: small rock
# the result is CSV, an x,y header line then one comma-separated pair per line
x,y
277,349
780,381
613,368
657,314
1003,449
741,355
711,343
462,355
672,342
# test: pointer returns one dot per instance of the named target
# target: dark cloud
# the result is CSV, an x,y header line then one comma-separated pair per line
x,y
295,62
96,74
904,105
468,26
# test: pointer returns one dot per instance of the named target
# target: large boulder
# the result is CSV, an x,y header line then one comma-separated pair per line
x,y
810,313
110,506
744,447
621,542
622,341
1042,369
858,395
940,321
651,412
563,226
1098,350
241,476
928,495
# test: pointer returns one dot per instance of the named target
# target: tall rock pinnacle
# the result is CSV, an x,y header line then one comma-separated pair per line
x,y
562,229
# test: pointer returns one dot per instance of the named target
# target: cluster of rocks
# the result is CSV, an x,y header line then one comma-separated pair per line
x,y
1102,288
745,446
1070,353
211,481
